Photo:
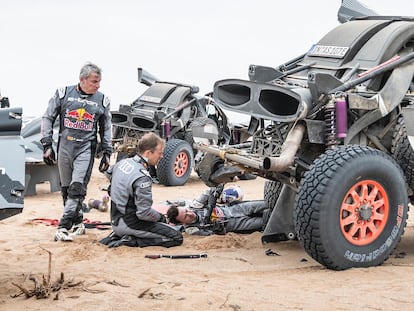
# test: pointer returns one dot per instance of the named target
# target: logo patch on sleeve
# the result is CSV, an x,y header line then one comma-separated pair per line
x,y
145,184
106,102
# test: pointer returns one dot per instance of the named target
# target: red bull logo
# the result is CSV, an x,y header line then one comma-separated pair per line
x,y
217,214
79,119
80,114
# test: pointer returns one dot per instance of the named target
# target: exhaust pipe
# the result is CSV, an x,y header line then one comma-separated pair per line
x,y
289,149
230,155
272,164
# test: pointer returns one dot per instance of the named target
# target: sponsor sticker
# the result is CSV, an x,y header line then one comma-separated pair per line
x,y
151,99
145,184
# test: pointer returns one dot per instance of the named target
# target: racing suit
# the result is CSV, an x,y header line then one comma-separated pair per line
x,y
131,205
81,117
246,216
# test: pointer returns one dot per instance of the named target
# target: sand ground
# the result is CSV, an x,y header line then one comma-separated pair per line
x,y
236,275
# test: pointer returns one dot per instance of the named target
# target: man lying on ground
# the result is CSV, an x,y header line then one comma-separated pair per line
x,y
207,216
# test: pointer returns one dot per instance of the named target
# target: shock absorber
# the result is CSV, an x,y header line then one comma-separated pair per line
x,y
330,124
336,121
341,111
166,129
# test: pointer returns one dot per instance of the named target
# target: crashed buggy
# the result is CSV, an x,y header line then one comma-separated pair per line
x,y
333,132
170,110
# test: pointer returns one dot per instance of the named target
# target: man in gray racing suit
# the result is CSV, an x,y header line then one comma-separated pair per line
x,y
210,217
134,221
83,112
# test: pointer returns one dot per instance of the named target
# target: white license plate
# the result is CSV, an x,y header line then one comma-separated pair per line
x,y
328,51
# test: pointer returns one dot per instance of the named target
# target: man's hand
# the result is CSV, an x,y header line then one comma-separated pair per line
x,y
49,156
219,189
163,219
218,227
215,194
105,161
206,220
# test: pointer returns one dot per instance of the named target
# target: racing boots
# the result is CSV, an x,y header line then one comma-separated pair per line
x,y
62,234
79,229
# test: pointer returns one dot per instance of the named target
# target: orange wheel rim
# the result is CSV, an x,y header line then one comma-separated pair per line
x,y
181,164
364,212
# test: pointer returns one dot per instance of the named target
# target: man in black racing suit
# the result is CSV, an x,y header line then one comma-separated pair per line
x,y
83,113
134,221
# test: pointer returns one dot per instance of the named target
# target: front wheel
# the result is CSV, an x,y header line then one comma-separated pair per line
x,y
174,168
351,209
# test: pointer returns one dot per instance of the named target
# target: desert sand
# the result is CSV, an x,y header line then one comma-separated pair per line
x,y
236,275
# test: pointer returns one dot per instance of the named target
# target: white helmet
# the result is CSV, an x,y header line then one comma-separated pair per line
x,y
231,193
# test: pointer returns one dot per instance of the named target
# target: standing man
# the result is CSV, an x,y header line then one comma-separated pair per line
x,y
83,113
134,221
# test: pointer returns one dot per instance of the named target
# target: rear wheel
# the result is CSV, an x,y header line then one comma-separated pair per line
x,y
174,168
271,193
208,165
351,209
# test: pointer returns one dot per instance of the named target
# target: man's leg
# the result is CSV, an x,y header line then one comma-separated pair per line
x,y
65,174
75,173
245,224
150,233
82,171
246,216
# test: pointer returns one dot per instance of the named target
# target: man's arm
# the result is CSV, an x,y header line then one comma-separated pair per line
x,y
105,127
211,203
143,200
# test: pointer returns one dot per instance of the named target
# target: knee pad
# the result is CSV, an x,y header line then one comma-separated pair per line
x,y
77,190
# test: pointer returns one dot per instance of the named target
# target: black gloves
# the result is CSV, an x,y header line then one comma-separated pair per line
x,y
211,202
219,189
215,194
163,219
218,227
206,220
49,156
105,161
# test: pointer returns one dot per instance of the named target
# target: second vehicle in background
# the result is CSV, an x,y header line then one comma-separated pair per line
x,y
173,111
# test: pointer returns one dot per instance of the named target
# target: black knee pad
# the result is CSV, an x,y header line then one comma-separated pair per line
x,y
77,190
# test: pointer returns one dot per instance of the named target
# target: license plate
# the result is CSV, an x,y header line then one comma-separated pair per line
x,y
328,51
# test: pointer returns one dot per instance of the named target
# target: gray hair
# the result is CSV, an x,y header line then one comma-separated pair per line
x,y
89,68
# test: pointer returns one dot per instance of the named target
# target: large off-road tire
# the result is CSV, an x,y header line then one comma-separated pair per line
x,y
199,122
402,152
271,193
351,209
174,168
207,166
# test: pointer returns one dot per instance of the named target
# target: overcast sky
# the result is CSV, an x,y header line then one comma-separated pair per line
x,y
45,42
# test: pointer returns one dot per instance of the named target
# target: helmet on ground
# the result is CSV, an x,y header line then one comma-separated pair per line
x,y
231,193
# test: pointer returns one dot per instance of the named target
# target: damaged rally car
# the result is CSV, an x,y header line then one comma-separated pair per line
x,y
12,163
333,134
170,110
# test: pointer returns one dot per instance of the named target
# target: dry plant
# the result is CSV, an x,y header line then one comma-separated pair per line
x,y
44,288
